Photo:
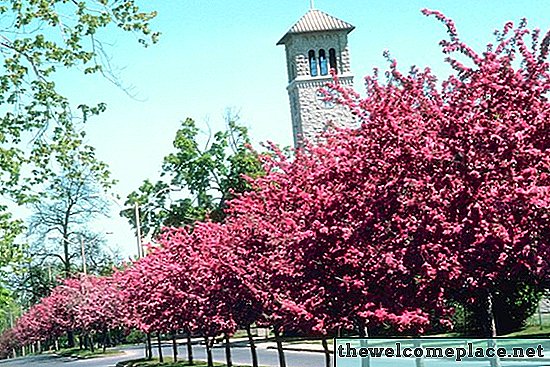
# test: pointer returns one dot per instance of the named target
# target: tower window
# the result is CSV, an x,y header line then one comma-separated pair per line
x,y
323,62
312,63
332,60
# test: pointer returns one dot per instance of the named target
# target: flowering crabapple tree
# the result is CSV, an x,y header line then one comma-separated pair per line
x,y
189,283
472,176
88,304
443,192
153,294
225,302
100,307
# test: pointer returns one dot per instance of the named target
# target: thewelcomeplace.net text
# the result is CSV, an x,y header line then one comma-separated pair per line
x,y
458,353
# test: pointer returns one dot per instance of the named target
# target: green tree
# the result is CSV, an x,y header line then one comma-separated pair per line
x,y
71,201
41,132
202,176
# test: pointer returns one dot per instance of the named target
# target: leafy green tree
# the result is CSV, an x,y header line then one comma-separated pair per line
x,y
203,177
41,133
9,310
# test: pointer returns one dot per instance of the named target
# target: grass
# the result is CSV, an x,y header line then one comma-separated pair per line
x,y
531,332
85,353
168,362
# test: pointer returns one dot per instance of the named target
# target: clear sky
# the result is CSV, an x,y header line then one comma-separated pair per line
x,y
218,54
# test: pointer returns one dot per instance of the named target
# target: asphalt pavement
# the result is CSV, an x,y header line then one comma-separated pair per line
x,y
241,355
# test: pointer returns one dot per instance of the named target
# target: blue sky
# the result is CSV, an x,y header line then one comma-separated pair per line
x,y
216,54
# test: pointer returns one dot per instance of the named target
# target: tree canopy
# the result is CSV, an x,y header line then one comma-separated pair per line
x,y
41,130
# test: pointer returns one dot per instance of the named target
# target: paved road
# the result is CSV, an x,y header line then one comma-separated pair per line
x,y
241,355
47,360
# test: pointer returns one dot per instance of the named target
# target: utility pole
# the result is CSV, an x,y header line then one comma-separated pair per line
x,y
138,230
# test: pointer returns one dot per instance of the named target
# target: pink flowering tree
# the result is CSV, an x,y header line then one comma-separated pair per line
x,y
224,301
99,308
442,191
156,293
8,343
473,162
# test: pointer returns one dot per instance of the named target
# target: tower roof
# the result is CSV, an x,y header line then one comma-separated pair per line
x,y
316,21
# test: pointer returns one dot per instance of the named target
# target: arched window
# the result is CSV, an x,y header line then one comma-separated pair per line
x,y
332,60
312,63
323,62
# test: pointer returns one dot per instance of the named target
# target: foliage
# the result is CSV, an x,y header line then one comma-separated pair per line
x,y
40,131
72,200
514,303
440,197
440,192
210,176
87,304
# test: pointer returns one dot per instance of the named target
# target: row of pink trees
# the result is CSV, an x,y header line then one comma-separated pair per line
x,y
442,194
88,305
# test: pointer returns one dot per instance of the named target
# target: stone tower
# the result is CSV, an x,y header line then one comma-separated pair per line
x,y
317,43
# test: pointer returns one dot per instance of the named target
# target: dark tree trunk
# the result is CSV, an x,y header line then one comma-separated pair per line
x,y
252,347
363,332
104,340
490,327
208,346
189,349
229,362
159,343
327,351
174,347
70,339
149,346
91,339
280,351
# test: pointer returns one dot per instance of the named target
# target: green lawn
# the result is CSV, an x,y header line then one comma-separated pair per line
x,y
85,353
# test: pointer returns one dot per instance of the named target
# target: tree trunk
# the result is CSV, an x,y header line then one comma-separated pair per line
x,y
149,343
363,332
252,347
189,349
104,340
70,339
229,362
327,351
490,328
91,338
66,261
282,361
208,347
174,347
159,343
146,345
